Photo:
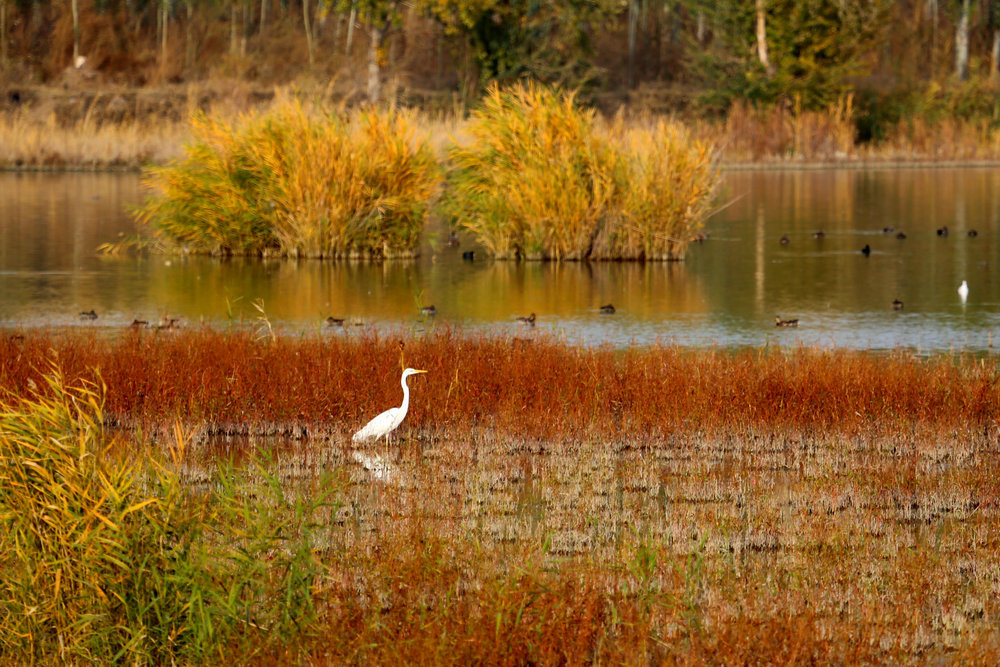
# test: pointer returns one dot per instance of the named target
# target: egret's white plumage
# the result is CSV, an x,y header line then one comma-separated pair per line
x,y
387,422
963,290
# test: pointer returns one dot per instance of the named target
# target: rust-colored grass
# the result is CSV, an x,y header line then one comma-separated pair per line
x,y
551,504
534,388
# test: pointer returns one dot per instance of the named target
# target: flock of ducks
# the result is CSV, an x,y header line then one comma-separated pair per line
x,y
431,311
165,323
963,289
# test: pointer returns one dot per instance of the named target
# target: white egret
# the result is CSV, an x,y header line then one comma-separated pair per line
x,y
387,422
963,291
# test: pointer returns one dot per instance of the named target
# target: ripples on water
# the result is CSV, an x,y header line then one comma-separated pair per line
x,y
727,293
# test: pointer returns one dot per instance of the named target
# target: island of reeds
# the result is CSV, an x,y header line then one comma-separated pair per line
x,y
193,496
540,178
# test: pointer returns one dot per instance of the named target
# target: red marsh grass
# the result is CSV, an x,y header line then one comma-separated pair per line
x,y
552,504
533,387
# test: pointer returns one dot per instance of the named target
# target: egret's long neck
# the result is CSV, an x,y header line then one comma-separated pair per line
x,y
406,395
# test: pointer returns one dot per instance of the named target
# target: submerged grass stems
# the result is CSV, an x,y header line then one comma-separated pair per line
x,y
540,178
295,184
107,558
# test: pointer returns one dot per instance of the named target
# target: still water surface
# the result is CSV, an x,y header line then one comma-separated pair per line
x,y
727,293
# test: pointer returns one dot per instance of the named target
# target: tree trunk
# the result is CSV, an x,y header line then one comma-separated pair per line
x,y
995,57
3,33
188,37
246,28
263,16
75,5
350,31
962,43
374,69
308,27
164,9
633,28
232,28
765,60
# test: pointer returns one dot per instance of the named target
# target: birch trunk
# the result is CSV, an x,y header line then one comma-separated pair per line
x,y
374,70
995,57
75,6
962,43
350,31
308,27
3,33
762,55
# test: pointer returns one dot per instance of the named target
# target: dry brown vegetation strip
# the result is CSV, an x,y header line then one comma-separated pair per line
x,y
552,504
535,387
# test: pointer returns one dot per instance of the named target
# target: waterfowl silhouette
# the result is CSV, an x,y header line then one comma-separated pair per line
x,y
819,235
963,291
784,240
167,323
942,231
973,232
608,309
888,230
529,320
778,322
901,236
866,250
139,324
88,315
453,239
429,310
334,321
897,304
469,255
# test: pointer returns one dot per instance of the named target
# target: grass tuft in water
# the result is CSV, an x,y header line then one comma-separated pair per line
x,y
541,178
296,184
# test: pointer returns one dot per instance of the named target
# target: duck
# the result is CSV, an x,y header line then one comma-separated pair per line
x,y
608,309
168,323
469,255
888,230
429,310
897,304
866,250
963,291
784,240
778,322
901,236
453,239
334,321
942,231
139,324
819,235
88,315
973,233
529,320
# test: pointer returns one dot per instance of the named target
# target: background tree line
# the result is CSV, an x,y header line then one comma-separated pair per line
x,y
899,56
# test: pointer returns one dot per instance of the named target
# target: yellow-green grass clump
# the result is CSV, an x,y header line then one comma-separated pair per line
x,y
296,184
106,560
541,178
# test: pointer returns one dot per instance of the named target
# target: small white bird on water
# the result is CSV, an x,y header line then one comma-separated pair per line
x,y
963,291
387,422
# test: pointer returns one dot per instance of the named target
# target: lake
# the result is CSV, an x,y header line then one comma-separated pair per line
x,y
726,293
